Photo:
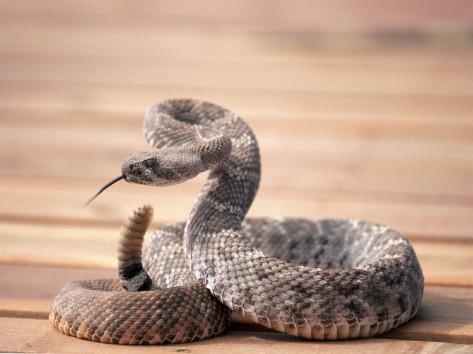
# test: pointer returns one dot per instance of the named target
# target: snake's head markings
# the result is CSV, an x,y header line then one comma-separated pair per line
x,y
140,167
161,168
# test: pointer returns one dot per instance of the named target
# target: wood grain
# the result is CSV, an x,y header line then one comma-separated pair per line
x,y
274,104
445,314
362,109
338,77
26,335
66,197
444,263
318,16
32,298
344,125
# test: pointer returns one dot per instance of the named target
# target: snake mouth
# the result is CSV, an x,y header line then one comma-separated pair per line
x,y
107,185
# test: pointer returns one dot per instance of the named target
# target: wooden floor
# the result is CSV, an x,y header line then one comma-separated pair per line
x,y
363,109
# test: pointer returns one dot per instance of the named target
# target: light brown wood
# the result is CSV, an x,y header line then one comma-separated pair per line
x,y
445,314
32,298
318,166
310,77
321,160
362,109
66,197
443,262
345,125
319,16
274,104
30,334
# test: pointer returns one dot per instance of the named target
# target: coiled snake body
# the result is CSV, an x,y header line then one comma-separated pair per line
x,y
321,279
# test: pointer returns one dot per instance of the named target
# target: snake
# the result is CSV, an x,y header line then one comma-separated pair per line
x,y
320,279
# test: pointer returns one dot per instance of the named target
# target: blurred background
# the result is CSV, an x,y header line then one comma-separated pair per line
x,y
363,109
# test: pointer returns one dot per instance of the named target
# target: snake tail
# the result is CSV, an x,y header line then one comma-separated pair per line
x,y
130,269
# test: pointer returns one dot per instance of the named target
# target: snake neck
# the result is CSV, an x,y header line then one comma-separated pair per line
x,y
229,190
202,128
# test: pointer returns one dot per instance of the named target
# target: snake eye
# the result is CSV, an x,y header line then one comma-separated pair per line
x,y
150,163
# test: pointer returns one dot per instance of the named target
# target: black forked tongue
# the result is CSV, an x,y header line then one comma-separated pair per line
x,y
113,181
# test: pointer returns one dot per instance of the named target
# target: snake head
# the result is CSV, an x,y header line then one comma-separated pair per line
x,y
162,167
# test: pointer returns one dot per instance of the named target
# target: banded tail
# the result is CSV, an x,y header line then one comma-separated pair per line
x,y
130,269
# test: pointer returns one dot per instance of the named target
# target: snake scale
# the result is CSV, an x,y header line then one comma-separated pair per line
x,y
320,279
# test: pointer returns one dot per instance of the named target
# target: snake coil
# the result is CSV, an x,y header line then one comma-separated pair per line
x,y
323,279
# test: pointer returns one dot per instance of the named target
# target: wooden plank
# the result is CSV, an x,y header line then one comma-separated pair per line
x,y
274,104
24,38
32,298
365,49
443,262
367,125
21,335
66,197
445,315
321,161
69,246
378,173
345,125
333,72
312,77
315,16
203,41
47,127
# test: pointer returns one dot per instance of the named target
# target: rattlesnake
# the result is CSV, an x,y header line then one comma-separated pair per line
x,y
320,279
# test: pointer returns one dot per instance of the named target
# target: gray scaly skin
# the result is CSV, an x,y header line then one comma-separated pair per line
x,y
324,279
